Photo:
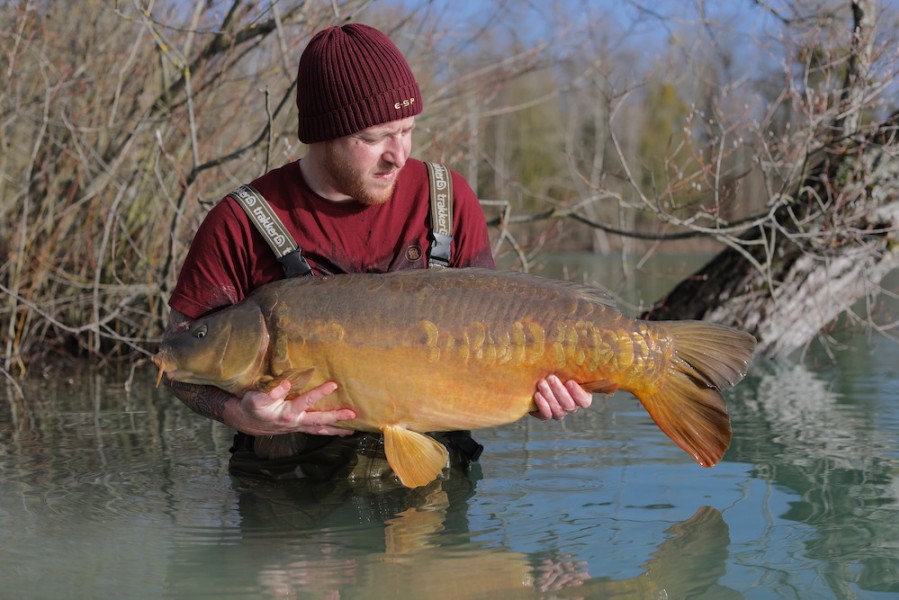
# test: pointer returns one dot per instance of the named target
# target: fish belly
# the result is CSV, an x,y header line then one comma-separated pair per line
x,y
400,386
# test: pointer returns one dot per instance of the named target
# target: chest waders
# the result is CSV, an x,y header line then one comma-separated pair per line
x,y
361,455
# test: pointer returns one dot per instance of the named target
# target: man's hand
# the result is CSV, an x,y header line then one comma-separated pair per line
x,y
261,413
554,399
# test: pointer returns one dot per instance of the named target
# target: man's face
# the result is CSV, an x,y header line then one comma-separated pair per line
x,y
365,165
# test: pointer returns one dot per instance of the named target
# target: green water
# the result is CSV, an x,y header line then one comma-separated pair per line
x,y
115,491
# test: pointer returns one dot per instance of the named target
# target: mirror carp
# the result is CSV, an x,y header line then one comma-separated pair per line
x,y
454,349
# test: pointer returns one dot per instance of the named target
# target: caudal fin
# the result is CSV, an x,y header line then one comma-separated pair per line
x,y
688,406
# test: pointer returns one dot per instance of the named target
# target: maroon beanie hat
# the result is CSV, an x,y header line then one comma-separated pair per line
x,y
350,78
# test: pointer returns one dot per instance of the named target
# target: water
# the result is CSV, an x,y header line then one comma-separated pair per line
x,y
114,491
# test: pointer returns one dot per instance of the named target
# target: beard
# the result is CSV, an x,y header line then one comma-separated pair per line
x,y
353,182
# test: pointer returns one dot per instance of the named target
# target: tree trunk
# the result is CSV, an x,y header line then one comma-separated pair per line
x,y
830,244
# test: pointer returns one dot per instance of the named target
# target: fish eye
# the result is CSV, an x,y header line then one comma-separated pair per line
x,y
200,332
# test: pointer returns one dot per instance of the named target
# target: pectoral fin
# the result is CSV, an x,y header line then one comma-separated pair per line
x,y
416,458
298,379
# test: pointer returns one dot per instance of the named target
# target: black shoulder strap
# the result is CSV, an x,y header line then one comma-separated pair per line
x,y
441,185
289,254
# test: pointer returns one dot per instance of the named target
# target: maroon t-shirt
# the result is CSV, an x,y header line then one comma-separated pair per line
x,y
229,258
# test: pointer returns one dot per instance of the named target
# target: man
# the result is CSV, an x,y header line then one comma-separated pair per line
x,y
356,202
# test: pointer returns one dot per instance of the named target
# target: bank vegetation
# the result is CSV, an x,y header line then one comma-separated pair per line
x,y
765,130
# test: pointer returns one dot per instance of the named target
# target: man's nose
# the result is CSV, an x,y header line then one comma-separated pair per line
x,y
396,151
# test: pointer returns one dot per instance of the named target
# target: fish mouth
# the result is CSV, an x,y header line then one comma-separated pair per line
x,y
170,369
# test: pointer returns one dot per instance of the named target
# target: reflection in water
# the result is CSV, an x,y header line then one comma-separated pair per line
x,y
425,546
83,464
802,434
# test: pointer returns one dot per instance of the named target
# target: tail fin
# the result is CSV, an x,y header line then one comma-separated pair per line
x,y
688,405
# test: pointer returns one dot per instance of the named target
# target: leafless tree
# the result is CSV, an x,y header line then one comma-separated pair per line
x,y
827,235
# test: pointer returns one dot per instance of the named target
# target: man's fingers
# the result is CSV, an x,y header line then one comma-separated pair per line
x,y
553,409
554,399
280,391
581,397
314,418
562,395
304,401
327,430
543,412
319,422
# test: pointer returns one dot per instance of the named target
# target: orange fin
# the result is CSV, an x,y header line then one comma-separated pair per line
x,y
298,379
600,387
415,458
716,355
688,405
692,415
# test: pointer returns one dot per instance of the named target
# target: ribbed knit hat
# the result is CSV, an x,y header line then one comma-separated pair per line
x,y
350,78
